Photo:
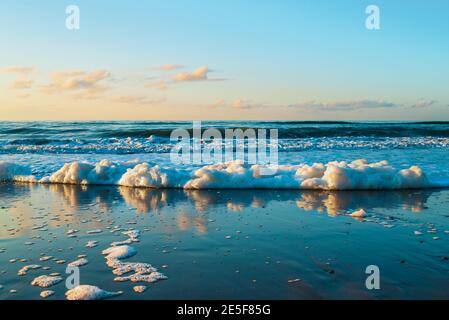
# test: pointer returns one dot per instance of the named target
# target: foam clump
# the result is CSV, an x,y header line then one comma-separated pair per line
x,y
137,277
143,175
336,175
88,292
136,267
236,174
119,252
133,236
104,173
46,293
24,270
139,289
360,174
78,263
46,281
140,272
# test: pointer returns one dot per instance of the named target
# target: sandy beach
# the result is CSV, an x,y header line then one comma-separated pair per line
x,y
226,244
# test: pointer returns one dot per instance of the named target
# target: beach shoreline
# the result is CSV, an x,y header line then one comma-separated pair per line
x,y
229,244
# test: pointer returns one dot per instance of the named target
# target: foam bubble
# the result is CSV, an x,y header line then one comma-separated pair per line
x,y
24,270
119,252
46,281
78,263
141,272
139,289
88,292
46,293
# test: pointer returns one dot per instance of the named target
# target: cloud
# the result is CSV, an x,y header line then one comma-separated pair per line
x,y
72,80
199,74
423,103
23,95
247,104
237,104
170,67
86,85
345,105
18,69
217,104
160,85
139,100
21,83
240,104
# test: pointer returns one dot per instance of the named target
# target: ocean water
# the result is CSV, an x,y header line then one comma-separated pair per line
x,y
70,191
228,244
31,151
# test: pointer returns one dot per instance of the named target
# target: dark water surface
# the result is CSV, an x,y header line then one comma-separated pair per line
x,y
244,244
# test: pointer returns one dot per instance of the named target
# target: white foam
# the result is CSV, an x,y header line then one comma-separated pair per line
x,y
46,281
104,172
78,263
132,234
139,289
141,272
119,252
91,243
137,277
342,175
87,292
136,267
24,270
46,293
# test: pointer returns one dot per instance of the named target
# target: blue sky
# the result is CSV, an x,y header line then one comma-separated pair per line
x,y
264,60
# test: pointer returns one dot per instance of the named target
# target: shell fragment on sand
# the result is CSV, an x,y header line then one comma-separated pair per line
x,y
358,214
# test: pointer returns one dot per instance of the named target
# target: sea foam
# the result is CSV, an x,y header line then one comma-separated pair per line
x,y
335,175
88,292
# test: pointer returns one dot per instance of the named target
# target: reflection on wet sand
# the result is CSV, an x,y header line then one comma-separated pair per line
x,y
63,201
60,205
153,200
213,233
144,200
334,203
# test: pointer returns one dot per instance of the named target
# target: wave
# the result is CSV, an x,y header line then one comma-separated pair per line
x,y
286,129
37,145
355,175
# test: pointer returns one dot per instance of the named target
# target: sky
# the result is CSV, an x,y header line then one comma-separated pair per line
x,y
224,60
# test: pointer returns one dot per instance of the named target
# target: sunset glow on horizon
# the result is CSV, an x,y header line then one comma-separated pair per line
x,y
233,60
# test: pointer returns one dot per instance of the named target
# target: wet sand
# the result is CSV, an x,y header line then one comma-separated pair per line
x,y
244,244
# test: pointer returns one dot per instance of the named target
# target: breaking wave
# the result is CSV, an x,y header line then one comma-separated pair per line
x,y
355,175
